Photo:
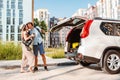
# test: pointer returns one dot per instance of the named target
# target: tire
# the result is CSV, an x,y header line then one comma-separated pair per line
x,y
83,63
111,62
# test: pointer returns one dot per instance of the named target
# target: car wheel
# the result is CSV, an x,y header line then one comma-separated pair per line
x,y
83,63
111,62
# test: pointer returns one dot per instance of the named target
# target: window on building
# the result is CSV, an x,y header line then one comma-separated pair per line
x,y
8,12
19,37
13,20
0,37
1,3
7,29
0,12
12,4
20,21
20,0
45,14
20,6
12,37
0,28
118,14
7,4
112,29
13,12
0,20
13,0
12,29
8,20
7,37
19,29
41,13
20,13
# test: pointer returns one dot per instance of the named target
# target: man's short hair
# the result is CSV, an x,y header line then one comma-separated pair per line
x,y
29,23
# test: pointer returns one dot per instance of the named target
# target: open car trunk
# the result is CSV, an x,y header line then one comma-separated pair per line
x,y
73,37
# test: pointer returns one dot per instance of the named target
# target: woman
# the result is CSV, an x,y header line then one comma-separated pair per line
x,y
27,55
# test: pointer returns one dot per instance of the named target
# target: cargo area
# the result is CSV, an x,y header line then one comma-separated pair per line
x,y
74,39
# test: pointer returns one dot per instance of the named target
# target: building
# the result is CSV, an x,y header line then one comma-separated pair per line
x,y
57,39
91,12
104,8
43,15
108,9
63,33
54,36
80,12
13,13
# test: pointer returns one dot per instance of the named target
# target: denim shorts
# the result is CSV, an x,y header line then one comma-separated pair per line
x,y
38,48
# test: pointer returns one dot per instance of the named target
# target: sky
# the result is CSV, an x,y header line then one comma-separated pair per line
x,y
62,8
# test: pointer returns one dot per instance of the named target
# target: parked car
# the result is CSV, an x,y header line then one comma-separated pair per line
x,y
93,41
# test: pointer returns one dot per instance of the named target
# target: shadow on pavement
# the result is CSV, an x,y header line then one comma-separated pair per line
x,y
62,73
95,67
41,65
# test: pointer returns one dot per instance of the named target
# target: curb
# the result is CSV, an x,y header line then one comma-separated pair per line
x,y
40,65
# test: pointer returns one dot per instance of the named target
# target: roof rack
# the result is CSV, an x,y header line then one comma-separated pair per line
x,y
99,18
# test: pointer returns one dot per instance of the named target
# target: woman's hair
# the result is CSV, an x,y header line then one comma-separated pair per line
x,y
23,28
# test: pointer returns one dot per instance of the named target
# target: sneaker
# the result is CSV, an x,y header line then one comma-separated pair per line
x,y
35,69
45,67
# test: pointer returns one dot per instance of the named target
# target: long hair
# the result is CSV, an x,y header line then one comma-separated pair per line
x,y
23,28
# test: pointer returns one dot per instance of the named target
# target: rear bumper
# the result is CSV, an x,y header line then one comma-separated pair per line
x,y
80,57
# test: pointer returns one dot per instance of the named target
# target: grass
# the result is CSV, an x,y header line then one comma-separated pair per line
x,y
10,51
55,52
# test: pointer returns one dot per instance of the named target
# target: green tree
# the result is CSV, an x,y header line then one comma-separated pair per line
x,y
43,25
36,22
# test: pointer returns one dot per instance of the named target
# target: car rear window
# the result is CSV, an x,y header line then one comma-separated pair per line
x,y
111,29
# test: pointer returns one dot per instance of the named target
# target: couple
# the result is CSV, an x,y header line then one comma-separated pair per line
x,y
30,57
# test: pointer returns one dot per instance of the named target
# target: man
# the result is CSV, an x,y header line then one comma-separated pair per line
x,y
37,45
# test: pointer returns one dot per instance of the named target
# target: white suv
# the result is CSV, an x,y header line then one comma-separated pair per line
x,y
93,41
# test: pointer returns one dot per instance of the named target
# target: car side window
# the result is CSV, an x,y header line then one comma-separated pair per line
x,y
118,30
111,29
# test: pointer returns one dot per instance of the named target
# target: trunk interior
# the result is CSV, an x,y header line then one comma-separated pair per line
x,y
74,39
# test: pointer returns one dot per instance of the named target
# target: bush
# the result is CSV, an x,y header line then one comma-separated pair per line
x,y
10,51
55,52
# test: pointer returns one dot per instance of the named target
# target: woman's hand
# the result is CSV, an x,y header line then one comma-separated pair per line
x,y
32,35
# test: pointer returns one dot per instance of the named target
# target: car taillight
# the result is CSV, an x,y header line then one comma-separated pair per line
x,y
85,30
